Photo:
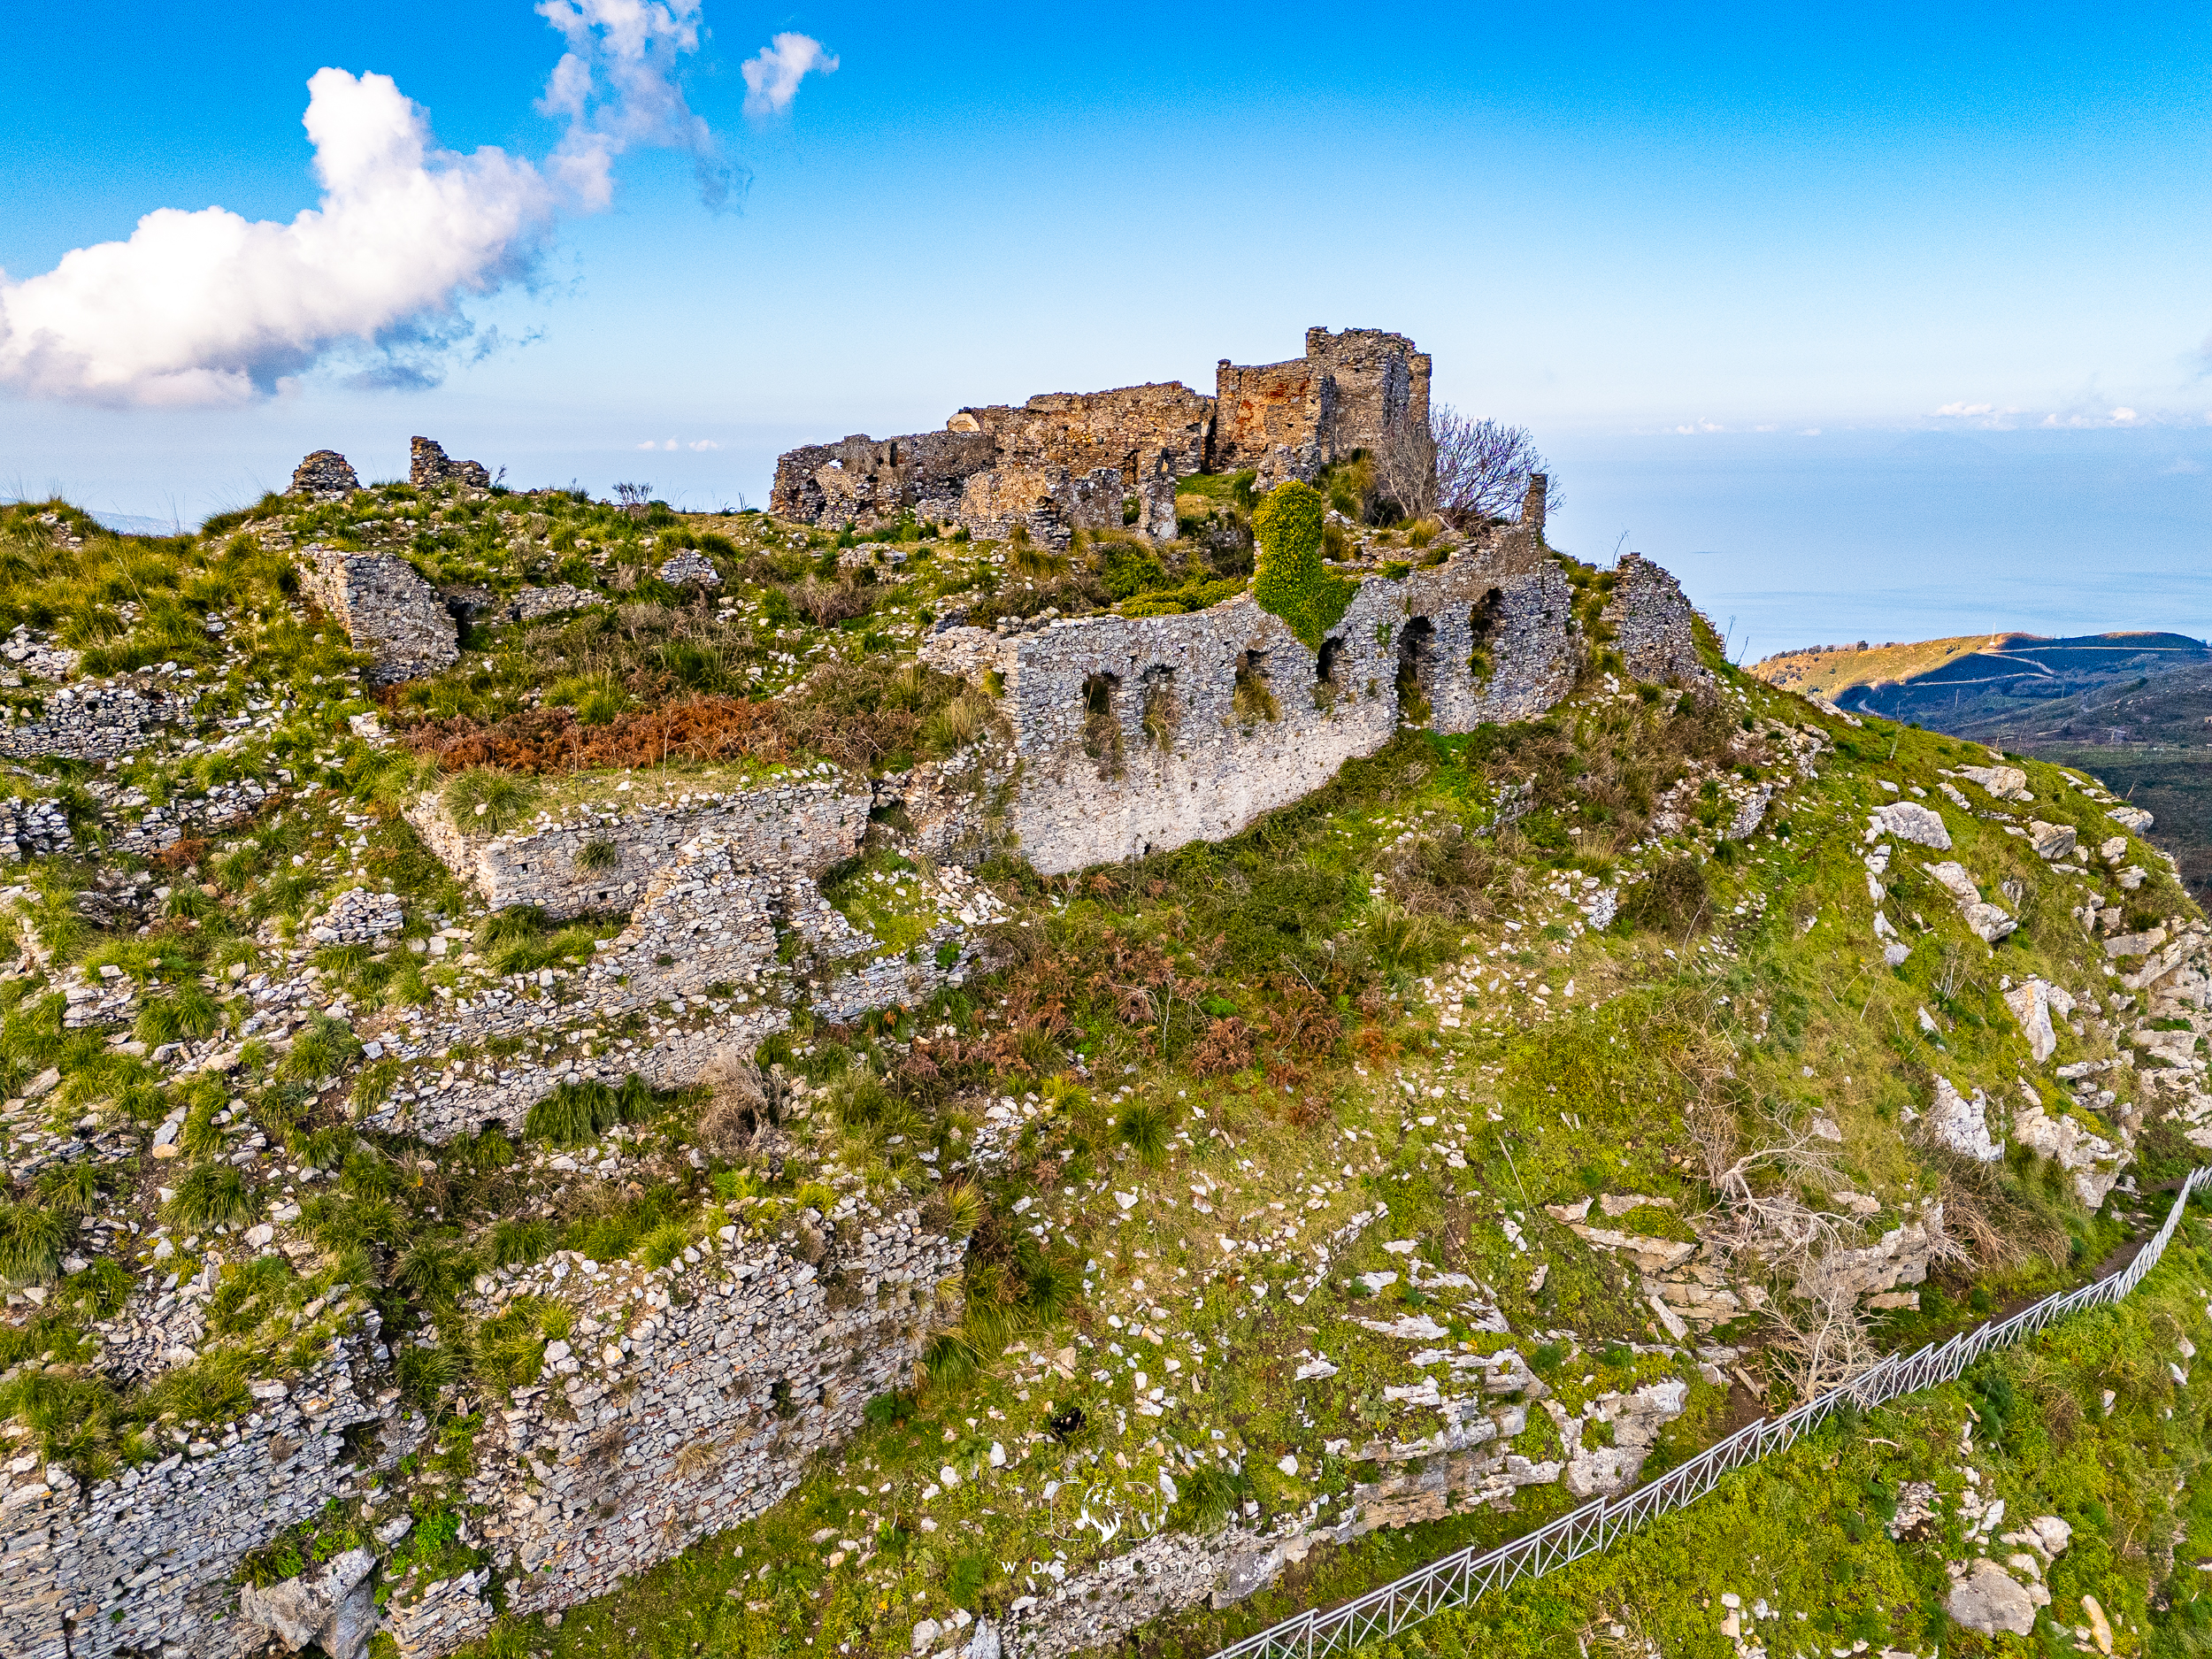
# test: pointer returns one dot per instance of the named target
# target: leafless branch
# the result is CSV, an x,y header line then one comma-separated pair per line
x,y
1482,467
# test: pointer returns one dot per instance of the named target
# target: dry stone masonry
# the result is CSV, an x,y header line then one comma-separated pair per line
x,y
427,468
325,475
387,610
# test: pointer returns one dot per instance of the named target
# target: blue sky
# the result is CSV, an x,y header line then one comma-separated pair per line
x,y
1675,241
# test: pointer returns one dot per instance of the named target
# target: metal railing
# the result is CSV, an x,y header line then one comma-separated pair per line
x,y
1460,1578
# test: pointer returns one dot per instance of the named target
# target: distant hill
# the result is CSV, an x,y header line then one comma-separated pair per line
x,y
2133,709
1976,675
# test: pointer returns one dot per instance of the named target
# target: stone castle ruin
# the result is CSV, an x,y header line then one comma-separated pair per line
x,y
1069,461
1119,736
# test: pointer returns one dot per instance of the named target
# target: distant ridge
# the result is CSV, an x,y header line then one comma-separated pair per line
x,y
1974,673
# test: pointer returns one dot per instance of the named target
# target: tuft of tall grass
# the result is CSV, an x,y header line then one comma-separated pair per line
x,y
482,801
210,1195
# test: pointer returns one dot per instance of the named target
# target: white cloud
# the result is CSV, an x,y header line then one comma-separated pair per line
x,y
2123,416
1966,412
1810,431
616,87
771,78
649,444
209,308
706,443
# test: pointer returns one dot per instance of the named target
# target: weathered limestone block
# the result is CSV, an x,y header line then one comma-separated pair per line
x,y
1654,628
428,468
387,610
325,475
603,858
331,1606
1962,1124
1134,736
2094,1161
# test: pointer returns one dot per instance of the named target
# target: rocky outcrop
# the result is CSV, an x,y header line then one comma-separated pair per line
x,y
325,475
388,611
1963,1124
428,468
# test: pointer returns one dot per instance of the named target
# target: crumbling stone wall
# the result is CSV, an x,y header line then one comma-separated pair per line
x,y
868,481
1350,391
1134,735
1046,503
142,1561
692,1398
98,720
386,607
428,468
695,1394
797,827
1129,427
326,475
1654,628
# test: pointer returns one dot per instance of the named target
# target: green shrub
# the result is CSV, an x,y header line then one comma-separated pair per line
x,y
598,854
1288,579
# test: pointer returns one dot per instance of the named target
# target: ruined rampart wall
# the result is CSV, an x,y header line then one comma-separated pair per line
x,y
1654,628
387,610
142,1562
692,1398
1134,737
798,827
94,720
1128,427
1049,504
870,481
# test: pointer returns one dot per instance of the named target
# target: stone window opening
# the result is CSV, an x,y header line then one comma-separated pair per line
x,y
1328,674
1101,722
1253,700
1483,622
1416,647
1161,711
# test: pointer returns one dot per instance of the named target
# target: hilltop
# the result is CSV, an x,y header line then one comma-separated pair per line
x,y
589,1079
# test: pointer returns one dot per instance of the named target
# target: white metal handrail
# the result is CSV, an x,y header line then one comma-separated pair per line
x,y
1462,1576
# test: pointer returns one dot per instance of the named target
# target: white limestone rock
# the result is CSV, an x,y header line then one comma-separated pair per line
x,y
1989,1600
1961,1123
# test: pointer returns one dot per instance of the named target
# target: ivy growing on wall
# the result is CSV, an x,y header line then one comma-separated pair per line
x,y
1288,579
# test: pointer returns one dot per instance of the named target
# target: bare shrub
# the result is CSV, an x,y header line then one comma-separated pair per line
x,y
1481,468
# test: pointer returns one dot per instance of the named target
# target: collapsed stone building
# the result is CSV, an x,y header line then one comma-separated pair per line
x,y
1069,461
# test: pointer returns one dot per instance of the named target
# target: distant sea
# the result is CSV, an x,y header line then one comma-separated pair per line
x,y
1788,541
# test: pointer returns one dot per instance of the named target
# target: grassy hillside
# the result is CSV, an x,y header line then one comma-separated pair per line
x,y
1253,1145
